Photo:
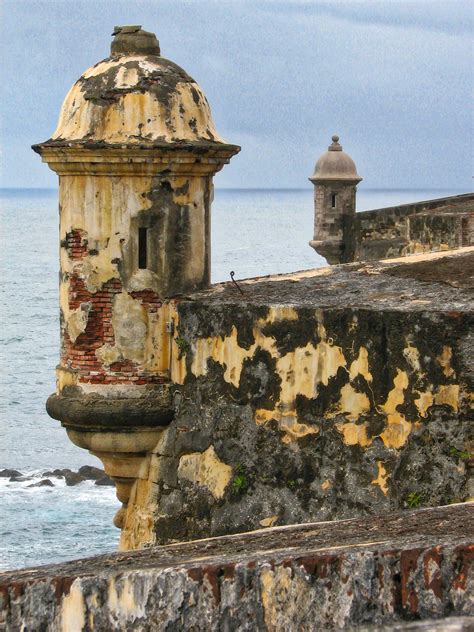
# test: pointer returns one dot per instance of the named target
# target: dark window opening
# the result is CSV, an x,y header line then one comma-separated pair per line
x,y
333,200
142,247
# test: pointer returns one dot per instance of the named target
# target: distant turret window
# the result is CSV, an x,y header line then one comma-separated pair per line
x,y
333,200
142,247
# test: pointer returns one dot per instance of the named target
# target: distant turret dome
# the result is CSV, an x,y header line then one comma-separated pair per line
x,y
135,97
335,164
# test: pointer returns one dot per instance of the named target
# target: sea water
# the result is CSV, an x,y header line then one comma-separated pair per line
x,y
254,233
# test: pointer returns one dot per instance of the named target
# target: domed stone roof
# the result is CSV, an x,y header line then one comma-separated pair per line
x,y
335,164
135,97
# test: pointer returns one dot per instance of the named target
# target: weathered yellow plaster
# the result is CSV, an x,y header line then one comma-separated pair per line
x,y
130,325
352,403
135,116
73,617
139,525
448,394
423,402
354,434
76,321
121,599
360,366
225,351
444,360
412,356
268,522
381,479
287,422
398,428
207,470
65,377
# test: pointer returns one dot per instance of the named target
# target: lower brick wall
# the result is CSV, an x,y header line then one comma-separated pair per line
x,y
81,354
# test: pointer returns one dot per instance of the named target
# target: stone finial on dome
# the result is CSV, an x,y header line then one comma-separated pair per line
x,y
335,146
333,166
132,40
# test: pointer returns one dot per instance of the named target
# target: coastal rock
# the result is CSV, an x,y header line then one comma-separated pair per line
x,y
91,473
19,479
105,480
45,482
72,478
57,472
7,473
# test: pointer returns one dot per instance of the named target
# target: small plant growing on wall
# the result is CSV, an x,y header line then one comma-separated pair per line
x,y
460,454
183,346
240,481
413,500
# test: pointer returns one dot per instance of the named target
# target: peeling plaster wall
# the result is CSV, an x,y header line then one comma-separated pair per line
x,y
310,413
113,320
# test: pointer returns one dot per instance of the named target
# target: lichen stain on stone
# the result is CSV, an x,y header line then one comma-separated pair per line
x,y
381,478
206,469
227,352
300,371
73,607
274,588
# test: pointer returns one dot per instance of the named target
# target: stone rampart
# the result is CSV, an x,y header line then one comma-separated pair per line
x,y
430,226
323,395
321,576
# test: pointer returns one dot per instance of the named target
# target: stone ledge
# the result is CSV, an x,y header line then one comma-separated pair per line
x,y
92,411
404,566
428,282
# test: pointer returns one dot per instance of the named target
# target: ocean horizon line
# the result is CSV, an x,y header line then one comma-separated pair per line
x,y
360,189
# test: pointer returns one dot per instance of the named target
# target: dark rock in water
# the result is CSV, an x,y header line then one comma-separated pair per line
x,y
57,473
43,483
72,478
105,480
91,473
9,473
20,479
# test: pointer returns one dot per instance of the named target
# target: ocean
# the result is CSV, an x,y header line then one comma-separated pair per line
x,y
254,232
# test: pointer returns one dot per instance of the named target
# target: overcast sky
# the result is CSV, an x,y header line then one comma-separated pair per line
x,y
393,79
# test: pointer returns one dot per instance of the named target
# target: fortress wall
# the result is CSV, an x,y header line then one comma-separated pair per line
x,y
323,395
378,571
430,226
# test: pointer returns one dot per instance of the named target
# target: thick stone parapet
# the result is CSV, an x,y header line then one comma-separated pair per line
x,y
321,395
320,576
